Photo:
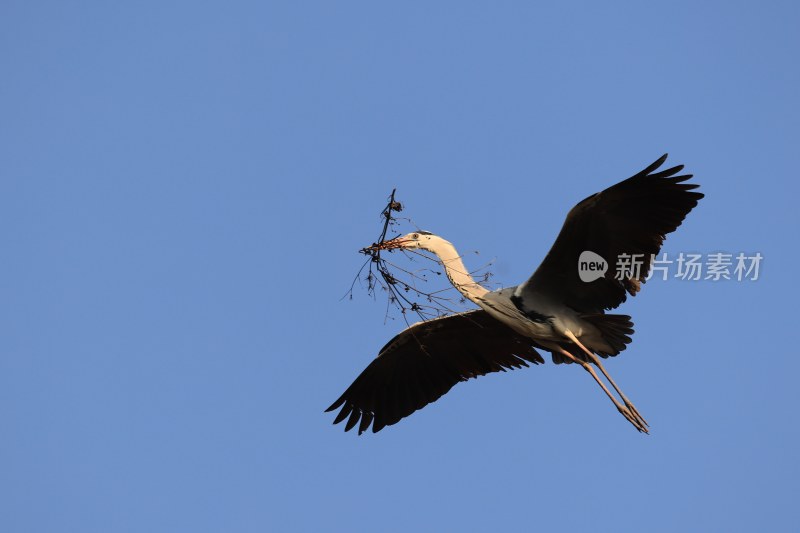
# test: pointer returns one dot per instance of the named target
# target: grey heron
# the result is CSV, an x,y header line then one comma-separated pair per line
x,y
554,310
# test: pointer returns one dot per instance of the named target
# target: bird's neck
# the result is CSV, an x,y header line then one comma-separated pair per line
x,y
456,271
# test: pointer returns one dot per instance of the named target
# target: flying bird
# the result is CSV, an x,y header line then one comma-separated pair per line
x,y
554,310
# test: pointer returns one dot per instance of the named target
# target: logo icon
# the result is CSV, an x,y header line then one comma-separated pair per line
x,y
591,266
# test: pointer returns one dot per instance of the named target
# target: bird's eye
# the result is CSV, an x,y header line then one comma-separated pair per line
x,y
415,236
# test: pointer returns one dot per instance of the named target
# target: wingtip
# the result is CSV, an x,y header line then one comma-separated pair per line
x,y
335,405
344,413
366,420
353,420
653,166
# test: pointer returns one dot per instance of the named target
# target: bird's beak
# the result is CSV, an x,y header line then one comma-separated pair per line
x,y
392,244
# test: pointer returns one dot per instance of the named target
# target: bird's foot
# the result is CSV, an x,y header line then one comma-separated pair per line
x,y
635,413
637,421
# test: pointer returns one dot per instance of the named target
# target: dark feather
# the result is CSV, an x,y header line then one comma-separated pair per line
x,y
423,362
631,217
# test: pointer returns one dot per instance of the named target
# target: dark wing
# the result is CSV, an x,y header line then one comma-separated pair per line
x,y
631,217
423,362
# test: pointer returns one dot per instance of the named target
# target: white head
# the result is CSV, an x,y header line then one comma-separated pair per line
x,y
448,257
424,240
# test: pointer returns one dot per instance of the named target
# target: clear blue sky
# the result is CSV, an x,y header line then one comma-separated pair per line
x,y
184,187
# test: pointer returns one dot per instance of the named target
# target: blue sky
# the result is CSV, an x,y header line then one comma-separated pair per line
x,y
184,187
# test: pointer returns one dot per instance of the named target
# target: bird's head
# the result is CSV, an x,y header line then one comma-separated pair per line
x,y
412,241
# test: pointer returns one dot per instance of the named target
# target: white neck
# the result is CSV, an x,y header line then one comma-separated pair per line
x,y
454,268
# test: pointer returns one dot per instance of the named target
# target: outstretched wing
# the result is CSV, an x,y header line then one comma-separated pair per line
x,y
423,362
631,217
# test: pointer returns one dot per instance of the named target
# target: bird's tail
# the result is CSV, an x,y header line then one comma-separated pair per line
x,y
616,330
614,334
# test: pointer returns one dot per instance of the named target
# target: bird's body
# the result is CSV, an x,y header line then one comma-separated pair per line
x,y
535,318
554,309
